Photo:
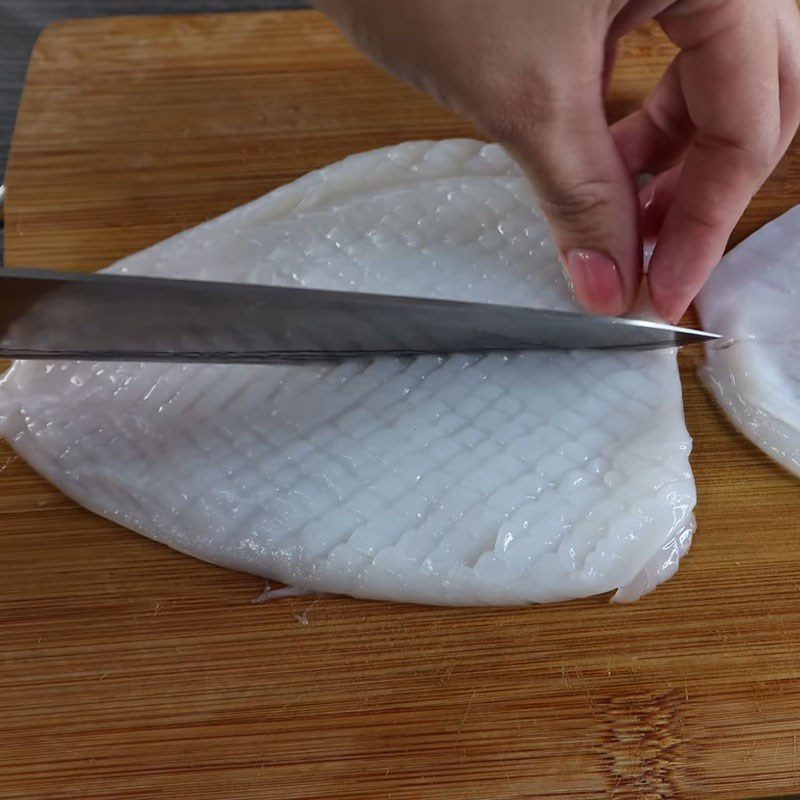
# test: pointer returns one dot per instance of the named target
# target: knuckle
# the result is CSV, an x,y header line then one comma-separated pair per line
x,y
577,206
755,154
707,217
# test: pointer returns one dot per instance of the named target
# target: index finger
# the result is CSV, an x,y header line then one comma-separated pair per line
x,y
728,70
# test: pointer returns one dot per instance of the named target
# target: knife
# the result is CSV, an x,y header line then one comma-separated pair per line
x,y
108,317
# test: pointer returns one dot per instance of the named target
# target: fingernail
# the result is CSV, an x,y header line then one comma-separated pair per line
x,y
596,281
647,195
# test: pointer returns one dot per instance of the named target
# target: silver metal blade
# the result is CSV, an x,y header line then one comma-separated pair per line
x,y
102,317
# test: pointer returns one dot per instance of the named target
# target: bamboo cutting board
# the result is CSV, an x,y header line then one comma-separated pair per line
x,y
130,671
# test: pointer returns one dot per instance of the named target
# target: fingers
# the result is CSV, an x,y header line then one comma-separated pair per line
x,y
655,201
725,110
586,193
789,70
728,72
650,141
652,138
610,63
545,103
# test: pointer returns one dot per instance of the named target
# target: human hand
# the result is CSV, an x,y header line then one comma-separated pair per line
x,y
533,74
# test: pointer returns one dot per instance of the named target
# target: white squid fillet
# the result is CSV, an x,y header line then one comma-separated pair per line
x,y
754,302
503,480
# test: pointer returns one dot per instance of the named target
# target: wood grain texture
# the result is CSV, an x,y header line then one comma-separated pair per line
x,y
130,671
22,20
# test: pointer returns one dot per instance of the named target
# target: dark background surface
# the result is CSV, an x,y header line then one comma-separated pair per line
x,y
22,20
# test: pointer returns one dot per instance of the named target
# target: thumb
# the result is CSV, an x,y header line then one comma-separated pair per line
x,y
587,195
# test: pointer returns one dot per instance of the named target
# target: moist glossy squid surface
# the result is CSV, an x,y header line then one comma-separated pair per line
x,y
753,300
503,479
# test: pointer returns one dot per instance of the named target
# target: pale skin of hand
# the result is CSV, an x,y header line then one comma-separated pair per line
x,y
532,74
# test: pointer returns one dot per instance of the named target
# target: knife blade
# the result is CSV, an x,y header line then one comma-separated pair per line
x,y
112,317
